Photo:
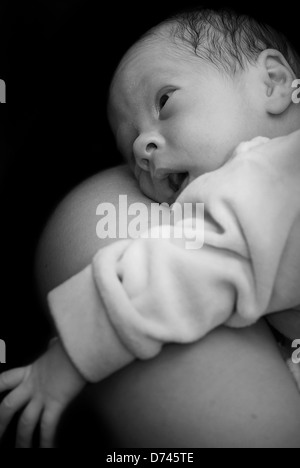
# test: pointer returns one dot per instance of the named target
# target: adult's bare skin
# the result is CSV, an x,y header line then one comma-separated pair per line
x,y
231,389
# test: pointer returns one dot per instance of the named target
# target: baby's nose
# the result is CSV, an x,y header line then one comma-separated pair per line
x,y
144,149
144,160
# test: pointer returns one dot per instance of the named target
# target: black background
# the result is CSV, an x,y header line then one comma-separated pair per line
x,y
57,58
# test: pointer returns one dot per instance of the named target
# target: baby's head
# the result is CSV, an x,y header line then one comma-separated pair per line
x,y
195,86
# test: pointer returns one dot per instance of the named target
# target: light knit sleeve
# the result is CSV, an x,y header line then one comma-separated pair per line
x,y
141,294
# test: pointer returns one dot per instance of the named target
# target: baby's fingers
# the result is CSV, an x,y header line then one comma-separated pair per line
x,y
11,378
49,425
27,424
11,404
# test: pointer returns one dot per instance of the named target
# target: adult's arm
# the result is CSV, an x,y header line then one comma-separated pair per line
x,y
69,241
230,389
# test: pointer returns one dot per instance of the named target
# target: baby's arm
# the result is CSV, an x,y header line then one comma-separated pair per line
x,y
140,294
42,391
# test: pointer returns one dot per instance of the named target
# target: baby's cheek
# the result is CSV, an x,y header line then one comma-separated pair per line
x,y
181,130
184,145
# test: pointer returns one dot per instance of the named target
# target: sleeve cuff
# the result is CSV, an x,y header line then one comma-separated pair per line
x,y
84,328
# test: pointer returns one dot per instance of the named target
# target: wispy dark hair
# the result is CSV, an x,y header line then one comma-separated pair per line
x,y
226,38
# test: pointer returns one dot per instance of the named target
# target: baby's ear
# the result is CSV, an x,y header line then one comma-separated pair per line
x,y
278,78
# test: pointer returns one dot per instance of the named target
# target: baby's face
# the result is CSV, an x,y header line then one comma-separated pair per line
x,y
175,117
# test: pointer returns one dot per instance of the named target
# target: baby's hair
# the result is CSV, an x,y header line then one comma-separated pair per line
x,y
225,38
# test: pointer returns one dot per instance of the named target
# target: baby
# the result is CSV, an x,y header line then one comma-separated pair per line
x,y
181,102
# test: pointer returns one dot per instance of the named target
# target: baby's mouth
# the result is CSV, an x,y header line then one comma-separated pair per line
x,y
178,181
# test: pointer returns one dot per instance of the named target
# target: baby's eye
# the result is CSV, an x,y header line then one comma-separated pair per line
x,y
163,100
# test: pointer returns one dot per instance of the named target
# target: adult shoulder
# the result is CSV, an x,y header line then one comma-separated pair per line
x,y
69,240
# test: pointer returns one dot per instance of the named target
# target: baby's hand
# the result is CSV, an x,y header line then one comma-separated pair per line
x,y
43,389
